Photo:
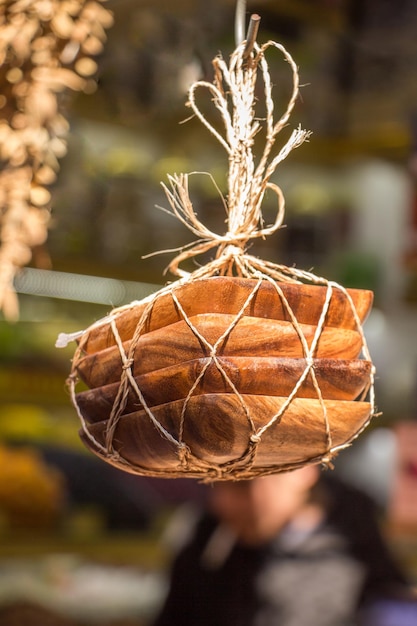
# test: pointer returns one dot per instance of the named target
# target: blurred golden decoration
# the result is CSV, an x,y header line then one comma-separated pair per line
x,y
45,49
32,494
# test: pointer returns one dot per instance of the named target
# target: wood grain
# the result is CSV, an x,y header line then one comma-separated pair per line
x,y
337,379
217,430
252,336
227,295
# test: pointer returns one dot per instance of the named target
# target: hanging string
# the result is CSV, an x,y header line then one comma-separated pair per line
x,y
233,95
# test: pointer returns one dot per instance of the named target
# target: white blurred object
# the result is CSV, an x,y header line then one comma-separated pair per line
x,y
69,586
370,464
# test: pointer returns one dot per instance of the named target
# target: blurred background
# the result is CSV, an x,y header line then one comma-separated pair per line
x,y
351,195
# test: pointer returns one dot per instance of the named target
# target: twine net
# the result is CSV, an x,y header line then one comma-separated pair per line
x,y
234,96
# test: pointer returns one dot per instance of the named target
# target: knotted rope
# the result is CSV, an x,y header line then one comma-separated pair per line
x,y
233,95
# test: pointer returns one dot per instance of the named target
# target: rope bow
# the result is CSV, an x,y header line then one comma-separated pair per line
x,y
233,95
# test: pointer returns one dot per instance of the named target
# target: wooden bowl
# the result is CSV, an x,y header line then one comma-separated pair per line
x,y
187,383
217,432
337,379
224,294
180,342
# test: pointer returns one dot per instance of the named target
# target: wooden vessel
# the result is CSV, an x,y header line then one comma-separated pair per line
x,y
227,295
184,341
226,377
217,431
337,379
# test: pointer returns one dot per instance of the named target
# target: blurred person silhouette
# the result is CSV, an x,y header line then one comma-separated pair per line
x,y
299,548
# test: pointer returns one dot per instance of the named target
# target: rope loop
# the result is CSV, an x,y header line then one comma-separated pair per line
x,y
234,95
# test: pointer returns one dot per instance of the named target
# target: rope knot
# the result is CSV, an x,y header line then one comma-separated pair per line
x,y
183,454
235,88
230,251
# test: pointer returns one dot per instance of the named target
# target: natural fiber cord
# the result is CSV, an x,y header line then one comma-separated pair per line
x,y
233,95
